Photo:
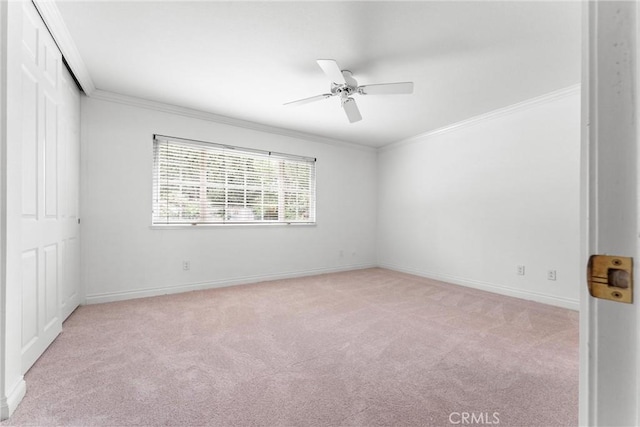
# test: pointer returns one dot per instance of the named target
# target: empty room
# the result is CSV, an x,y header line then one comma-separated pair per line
x,y
317,213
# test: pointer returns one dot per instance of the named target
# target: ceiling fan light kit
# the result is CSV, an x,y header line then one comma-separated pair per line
x,y
344,85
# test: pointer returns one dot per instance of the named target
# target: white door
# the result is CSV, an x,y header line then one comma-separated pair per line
x,y
610,350
49,189
69,179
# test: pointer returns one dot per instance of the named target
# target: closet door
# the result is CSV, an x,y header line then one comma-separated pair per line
x,y
49,165
69,180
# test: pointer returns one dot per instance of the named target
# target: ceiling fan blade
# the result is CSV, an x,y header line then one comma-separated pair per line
x,y
331,69
351,109
386,89
310,99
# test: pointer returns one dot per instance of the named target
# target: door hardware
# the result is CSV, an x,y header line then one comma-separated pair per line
x,y
611,277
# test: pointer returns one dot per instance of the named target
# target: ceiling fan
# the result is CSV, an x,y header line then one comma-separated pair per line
x,y
344,85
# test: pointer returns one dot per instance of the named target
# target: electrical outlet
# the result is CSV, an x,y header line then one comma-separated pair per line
x,y
186,265
521,270
341,253
551,275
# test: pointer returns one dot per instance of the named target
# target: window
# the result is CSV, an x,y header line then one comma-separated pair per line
x,y
197,182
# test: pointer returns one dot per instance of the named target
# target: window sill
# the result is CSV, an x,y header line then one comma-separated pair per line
x,y
230,225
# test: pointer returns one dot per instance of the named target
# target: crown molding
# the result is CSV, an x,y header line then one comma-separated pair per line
x,y
203,115
561,93
52,18
55,24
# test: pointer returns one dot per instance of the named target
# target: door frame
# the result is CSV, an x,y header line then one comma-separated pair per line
x,y
609,335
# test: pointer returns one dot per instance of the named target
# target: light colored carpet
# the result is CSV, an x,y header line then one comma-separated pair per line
x,y
367,347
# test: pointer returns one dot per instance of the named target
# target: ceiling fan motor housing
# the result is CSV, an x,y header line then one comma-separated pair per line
x,y
345,89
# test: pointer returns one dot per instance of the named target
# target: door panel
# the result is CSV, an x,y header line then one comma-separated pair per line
x,y
30,298
29,144
70,294
69,190
50,157
50,285
49,226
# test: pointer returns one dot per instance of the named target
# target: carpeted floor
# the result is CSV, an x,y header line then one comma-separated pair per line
x,y
368,347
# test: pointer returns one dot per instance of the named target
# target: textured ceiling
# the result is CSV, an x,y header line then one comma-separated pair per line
x,y
245,59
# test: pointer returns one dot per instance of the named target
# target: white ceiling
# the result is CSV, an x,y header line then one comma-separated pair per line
x,y
245,59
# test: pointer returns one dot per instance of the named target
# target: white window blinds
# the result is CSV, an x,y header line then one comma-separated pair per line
x,y
197,182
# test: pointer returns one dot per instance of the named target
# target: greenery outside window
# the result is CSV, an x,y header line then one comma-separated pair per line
x,y
196,182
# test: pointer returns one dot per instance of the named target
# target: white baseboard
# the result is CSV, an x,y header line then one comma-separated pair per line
x,y
9,403
490,287
476,284
151,292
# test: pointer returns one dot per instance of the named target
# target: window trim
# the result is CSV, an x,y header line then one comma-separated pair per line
x,y
241,150
195,142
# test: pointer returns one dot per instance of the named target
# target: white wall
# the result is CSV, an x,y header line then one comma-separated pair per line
x,y
124,257
469,203
466,204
